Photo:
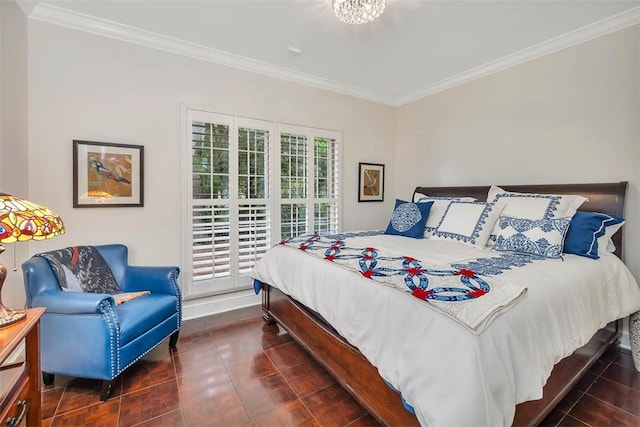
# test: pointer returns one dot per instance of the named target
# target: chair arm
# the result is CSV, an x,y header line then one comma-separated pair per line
x,y
157,280
62,302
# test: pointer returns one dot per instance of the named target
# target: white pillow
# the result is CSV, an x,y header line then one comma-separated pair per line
x,y
532,205
605,243
469,223
440,205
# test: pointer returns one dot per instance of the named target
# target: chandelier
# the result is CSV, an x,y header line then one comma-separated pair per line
x,y
358,11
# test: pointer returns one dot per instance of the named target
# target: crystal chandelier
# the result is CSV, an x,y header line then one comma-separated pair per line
x,y
358,11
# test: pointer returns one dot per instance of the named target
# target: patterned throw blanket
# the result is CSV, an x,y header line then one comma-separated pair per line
x,y
83,269
468,296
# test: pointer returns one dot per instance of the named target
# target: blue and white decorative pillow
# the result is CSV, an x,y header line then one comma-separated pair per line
x,y
408,219
440,205
585,231
469,223
533,205
540,237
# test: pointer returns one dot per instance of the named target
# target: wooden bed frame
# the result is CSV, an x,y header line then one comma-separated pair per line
x,y
361,379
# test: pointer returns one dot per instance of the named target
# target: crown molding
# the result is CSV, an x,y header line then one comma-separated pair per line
x,y
91,24
26,6
588,32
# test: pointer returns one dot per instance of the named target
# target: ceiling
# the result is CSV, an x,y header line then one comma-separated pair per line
x,y
414,46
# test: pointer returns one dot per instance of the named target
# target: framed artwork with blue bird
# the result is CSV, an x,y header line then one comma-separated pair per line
x,y
107,174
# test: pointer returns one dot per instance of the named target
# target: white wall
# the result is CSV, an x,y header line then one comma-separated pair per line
x,y
13,134
569,117
88,87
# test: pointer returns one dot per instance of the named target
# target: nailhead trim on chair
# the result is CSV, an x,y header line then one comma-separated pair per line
x,y
110,317
174,283
108,314
151,348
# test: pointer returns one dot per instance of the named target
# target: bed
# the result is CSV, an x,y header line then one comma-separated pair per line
x,y
317,331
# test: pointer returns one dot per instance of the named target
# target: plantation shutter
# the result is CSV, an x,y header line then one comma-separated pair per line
x,y
230,213
248,186
309,181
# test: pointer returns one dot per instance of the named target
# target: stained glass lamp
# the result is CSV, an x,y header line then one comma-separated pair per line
x,y
21,220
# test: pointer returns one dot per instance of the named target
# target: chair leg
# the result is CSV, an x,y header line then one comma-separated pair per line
x,y
106,390
173,340
47,378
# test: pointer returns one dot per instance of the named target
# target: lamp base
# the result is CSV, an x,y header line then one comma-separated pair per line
x,y
9,316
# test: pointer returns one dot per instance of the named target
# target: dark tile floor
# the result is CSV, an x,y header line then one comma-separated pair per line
x,y
232,370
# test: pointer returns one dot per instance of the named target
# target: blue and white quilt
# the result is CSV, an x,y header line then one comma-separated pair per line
x,y
468,292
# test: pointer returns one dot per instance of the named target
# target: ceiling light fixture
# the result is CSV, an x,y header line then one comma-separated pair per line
x,y
358,11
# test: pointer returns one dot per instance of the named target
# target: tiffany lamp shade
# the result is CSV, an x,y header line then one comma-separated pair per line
x,y
21,220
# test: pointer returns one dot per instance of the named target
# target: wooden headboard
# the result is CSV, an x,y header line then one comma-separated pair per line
x,y
603,197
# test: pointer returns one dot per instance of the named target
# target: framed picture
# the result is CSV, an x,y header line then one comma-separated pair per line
x,y
107,175
371,182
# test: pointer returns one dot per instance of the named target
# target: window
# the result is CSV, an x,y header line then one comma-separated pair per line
x,y
308,181
252,183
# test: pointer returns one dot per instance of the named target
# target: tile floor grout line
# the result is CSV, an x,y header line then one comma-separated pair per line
x,y
609,403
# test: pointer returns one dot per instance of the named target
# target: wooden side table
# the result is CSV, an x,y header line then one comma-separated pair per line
x,y
20,394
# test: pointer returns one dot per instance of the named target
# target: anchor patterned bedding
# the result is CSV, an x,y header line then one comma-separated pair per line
x,y
400,312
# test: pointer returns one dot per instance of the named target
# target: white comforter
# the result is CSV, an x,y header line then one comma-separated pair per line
x,y
449,375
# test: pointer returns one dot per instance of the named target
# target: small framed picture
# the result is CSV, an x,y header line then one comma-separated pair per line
x,y
371,182
107,174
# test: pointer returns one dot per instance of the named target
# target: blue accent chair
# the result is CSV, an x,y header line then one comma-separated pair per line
x,y
87,335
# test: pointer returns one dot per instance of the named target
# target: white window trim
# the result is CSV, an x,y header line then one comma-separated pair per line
x,y
310,134
274,201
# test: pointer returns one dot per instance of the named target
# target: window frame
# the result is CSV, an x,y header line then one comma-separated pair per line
x,y
310,201
273,201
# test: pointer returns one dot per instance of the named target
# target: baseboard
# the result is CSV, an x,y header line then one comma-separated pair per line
x,y
192,309
625,341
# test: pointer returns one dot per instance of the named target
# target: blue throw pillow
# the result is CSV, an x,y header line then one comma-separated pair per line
x,y
584,230
409,219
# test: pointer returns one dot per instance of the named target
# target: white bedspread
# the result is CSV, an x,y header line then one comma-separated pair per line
x,y
449,375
